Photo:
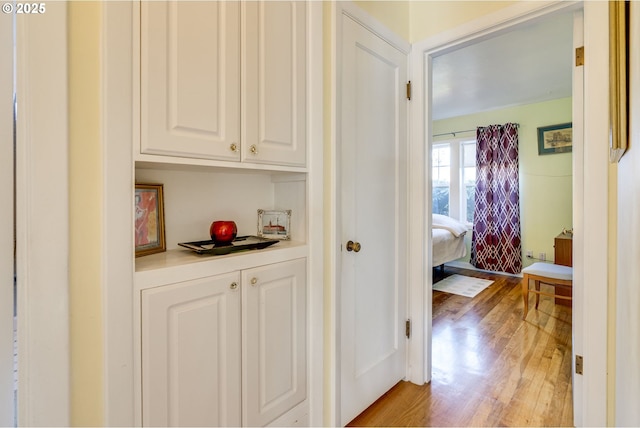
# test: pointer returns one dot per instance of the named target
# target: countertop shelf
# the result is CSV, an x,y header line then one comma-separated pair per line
x,y
181,264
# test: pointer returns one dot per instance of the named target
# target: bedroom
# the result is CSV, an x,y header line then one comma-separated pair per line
x,y
545,190
539,97
542,98
522,89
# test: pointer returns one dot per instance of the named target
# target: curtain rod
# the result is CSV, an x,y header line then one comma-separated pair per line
x,y
453,133
460,132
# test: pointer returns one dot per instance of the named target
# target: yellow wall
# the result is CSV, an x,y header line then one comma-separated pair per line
x,y
545,180
416,20
427,18
85,212
393,14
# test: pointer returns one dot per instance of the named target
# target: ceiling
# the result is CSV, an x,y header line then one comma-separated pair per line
x,y
527,65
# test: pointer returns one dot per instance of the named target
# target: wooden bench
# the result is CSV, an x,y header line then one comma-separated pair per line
x,y
546,273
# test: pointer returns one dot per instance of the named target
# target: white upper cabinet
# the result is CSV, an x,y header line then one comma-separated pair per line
x,y
274,82
224,81
190,79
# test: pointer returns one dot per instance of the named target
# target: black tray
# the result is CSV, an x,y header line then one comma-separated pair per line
x,y
241,243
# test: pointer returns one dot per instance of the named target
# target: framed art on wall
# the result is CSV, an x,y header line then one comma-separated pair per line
x,y
555,139
149,223
618,78
274,224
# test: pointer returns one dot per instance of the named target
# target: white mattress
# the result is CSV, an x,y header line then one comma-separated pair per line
x,y
447,247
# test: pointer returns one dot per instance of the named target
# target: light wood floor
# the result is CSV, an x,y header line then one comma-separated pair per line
x,y
490,368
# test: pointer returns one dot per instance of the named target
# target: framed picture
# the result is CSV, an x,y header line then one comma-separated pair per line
x,y
619,51
149,212
274,224
555,139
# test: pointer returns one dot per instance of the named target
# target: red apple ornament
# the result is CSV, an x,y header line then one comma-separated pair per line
x,y
223,232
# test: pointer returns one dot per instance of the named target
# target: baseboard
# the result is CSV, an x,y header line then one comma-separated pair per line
x,y
469,266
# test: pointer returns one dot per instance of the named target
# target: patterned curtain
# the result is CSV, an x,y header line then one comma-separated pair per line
x,y
496,239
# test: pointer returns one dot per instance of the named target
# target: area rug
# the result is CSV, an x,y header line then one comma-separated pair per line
x,y
462,285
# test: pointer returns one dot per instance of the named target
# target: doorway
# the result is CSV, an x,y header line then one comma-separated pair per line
x,y
41,229
425,52
505,84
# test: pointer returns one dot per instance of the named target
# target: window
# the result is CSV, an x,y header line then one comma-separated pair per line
x,y
454,178
468,180
441,178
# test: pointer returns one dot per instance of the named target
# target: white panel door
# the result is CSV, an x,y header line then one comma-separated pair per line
x,y
274,342
190,79
373,214
191,353
274,82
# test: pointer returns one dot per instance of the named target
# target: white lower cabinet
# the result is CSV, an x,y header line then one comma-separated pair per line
x,y
191,335
274,343
226,350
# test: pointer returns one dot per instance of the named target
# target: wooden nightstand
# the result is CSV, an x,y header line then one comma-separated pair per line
x,y
563,255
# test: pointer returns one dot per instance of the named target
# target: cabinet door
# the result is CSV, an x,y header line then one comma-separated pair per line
x,y
191,353
563,251
274,82
190,79
274,341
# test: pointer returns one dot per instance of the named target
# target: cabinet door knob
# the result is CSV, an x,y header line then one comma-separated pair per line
x,y
253,149
233,147
254,281
233,285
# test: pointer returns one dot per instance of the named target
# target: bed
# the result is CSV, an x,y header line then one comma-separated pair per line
x,y
447,239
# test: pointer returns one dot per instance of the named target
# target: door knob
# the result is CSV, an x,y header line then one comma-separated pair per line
x,y
353,246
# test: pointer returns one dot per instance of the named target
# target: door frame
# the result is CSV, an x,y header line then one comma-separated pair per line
x,y
590,208
333,271
7,404
42,242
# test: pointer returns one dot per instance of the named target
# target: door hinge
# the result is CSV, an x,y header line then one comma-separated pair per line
x,y
407,328
409,90
579,364
580,56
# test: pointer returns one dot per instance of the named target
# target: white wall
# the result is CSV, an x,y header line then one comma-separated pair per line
x,y
42,218
627,356
6,223
195,198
